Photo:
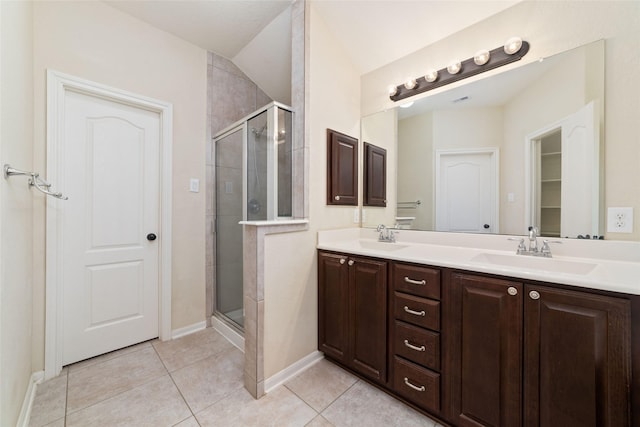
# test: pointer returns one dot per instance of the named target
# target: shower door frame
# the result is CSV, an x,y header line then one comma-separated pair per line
x,y
272,187
236,127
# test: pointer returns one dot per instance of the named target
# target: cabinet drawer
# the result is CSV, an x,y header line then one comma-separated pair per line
x,y
419,385
417,311
416,280
418,345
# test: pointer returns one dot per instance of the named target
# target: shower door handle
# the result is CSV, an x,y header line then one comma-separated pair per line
x,y
151,237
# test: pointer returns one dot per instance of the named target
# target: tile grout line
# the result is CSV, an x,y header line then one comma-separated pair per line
x,y
176,386
337,398
119,393
301,398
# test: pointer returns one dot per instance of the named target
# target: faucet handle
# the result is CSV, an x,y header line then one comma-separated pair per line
x,y
380,227
546,250
521,247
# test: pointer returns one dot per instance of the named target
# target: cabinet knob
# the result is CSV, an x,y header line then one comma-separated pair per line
x,y
342,260
351,262
534,295
512,291
337,197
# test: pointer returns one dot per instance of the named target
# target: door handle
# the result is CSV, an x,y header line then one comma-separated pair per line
x,y
151,237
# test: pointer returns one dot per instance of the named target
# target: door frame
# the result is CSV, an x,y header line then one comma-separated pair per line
x,y
494,153
57,84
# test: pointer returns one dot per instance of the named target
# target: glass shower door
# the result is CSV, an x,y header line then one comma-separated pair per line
x,y
228,235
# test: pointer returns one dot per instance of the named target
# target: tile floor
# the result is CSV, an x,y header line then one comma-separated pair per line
x,y
196,380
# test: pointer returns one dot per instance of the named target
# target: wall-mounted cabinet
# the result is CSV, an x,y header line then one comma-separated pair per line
x,y
375,175
342,169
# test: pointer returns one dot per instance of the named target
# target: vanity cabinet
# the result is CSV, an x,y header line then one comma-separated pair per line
x,y
352,312
534,355
415,334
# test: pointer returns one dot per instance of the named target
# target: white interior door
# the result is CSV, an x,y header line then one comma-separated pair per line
x,y
110,264
466,191
580,192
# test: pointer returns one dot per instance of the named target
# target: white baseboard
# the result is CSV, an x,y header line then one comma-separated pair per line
x,y
27,403
291,371
229,333
181,332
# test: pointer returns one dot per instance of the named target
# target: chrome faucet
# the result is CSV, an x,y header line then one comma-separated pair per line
x,y
386,234
533,239
533,250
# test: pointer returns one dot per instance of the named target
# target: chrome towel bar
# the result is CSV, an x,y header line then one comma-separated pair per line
x,y
34,181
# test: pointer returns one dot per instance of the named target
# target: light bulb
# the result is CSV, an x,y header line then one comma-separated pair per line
x,y
481,57
410,84
512,45
431,76
393,90
454,67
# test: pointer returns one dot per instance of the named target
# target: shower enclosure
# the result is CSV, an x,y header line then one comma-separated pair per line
x,y
253,175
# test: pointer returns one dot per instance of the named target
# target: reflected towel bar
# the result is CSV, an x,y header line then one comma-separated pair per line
x,y
409,205
34,181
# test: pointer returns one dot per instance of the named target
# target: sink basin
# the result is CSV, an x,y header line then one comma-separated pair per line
x,y
380,246
536,263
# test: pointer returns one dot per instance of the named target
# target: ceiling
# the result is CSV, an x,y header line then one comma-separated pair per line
x,y
373,32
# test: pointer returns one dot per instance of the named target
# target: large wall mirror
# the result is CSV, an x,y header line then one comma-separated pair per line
x,y
519,148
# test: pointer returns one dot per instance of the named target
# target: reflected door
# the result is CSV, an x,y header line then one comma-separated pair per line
x,y
466,191
228,231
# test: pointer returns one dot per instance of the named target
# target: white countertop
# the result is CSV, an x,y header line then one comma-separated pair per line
x,y
605,265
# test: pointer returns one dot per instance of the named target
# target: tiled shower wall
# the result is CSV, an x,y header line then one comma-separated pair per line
x,y
231,96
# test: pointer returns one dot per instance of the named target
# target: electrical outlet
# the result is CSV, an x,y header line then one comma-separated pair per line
x,y
356,216
620,220
364,216
194,185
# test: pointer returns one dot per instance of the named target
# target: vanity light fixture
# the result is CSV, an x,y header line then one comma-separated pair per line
x,y
513,45
410,84
481,57
431,76
454,67
406,104
513,50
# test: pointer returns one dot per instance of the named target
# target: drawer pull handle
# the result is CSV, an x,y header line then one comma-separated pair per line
x,y
413,347
415,313
415,282
415,387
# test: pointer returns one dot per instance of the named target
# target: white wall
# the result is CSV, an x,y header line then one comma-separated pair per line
x,y
552,27
381,130
16,207
96,42
332,100
415,154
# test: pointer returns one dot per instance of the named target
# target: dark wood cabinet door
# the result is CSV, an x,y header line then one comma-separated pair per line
x,y
375,175
333,305
342,169
577,357
486,351
369,317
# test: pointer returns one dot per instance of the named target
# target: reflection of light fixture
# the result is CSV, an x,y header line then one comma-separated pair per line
x,y
481,57
410,84
431,76
454,67
406,104
512,45
513,50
